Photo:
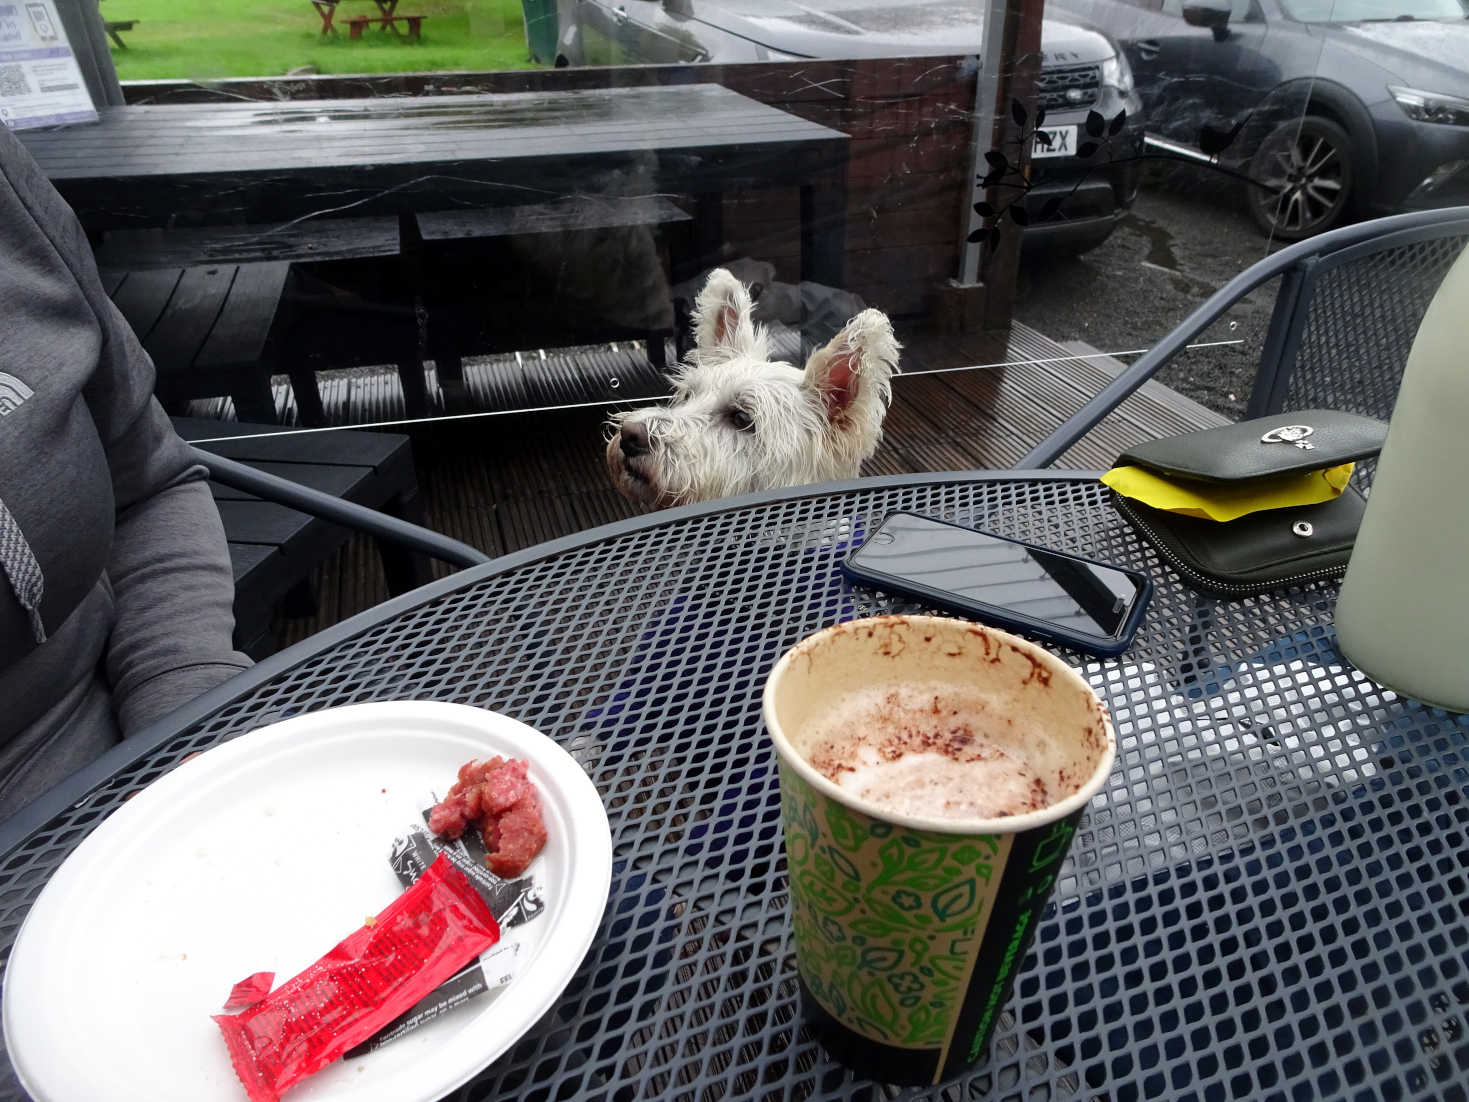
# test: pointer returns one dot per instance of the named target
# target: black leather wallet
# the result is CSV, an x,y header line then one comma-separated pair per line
x,y
1263,550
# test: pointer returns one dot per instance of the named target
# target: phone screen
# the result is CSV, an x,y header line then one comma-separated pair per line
x,y
1075,595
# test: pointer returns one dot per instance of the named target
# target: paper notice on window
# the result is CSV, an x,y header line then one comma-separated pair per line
x,y
40,84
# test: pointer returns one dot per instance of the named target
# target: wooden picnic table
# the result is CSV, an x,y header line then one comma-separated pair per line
x,y
387,20
244,182
115,27
271,163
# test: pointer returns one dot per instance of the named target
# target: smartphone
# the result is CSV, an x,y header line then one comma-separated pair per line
x,y
1092,606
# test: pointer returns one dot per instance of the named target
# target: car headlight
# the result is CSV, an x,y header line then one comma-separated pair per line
x,y
1432,106
1117,73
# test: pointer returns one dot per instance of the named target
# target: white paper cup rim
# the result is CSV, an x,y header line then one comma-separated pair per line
x,y
1002,824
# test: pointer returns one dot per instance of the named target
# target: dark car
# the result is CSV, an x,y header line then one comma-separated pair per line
x,y
1081,72
1334,109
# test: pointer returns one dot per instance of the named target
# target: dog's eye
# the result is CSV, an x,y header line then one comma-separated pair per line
x,y
740,419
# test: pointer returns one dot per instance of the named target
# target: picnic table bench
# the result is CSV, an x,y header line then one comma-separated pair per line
x,y
145,271
274,548
151,271
447,263
209,330
387,22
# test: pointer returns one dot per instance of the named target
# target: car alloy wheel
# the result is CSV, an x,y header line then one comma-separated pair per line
x,y
1301,178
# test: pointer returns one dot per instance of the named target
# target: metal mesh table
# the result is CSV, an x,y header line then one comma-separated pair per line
x,y
1270,898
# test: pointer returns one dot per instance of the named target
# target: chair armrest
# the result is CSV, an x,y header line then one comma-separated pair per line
x,y
230,472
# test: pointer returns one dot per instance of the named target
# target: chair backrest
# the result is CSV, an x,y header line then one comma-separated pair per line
x,y
1343,342
1347,309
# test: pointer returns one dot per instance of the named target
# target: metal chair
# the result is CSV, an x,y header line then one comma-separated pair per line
x,y
1346,312
284,576
411,537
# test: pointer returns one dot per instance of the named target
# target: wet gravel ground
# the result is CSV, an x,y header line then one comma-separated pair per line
x,y
1187,235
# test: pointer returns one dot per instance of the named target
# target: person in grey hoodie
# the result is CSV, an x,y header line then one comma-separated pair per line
x,y
115,585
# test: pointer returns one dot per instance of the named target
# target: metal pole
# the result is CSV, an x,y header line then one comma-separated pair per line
x,y
992,63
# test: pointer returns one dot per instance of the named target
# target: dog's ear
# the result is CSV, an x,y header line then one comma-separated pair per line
x,y
723,326
851,372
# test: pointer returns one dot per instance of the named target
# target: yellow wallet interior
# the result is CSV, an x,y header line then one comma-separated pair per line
x,y
1228,501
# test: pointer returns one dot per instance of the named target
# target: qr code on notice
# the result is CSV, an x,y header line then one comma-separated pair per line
x,y
13,81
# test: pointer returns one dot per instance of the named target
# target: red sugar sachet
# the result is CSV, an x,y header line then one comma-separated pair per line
x,y
422,938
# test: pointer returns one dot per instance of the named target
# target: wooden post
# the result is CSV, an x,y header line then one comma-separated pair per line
x,y
86,33
1000,270
982,295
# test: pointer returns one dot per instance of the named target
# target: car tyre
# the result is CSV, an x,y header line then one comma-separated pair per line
x,y
1301,178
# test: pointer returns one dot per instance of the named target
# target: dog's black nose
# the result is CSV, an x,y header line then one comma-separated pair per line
x,y
634,439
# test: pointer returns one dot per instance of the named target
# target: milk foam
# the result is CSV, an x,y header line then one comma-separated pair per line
x,y
932,751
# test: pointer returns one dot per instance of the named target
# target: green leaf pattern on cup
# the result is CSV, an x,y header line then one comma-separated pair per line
x,y
956,899
911,900
846,829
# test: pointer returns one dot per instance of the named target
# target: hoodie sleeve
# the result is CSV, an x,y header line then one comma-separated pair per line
x,y
169,567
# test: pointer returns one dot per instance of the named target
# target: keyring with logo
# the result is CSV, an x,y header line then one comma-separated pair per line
x,y
1290,434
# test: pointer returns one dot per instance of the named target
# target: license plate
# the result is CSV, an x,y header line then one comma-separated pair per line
x,y
1054,141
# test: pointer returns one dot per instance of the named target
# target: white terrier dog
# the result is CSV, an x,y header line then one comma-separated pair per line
x,y
737,422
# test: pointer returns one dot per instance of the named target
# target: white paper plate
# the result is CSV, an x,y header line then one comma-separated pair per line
x,y
262,854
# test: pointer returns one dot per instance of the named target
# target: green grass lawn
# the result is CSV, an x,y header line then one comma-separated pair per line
x,y
209,39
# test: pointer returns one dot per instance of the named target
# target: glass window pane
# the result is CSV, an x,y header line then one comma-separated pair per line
x,y
494,216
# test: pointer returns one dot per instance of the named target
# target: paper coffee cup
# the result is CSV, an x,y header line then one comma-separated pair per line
x,y
909,927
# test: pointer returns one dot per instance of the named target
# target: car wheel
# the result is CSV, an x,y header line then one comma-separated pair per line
x,y
1301,178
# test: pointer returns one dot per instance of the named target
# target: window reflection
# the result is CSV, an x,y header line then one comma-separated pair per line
x,y
513,205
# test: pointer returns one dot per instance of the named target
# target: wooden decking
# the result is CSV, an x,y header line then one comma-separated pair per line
x,y
502,482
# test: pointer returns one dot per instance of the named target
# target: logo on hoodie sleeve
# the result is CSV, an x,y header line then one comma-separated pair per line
x,y
12,393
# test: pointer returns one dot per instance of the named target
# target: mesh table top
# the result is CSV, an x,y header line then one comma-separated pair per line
x,y
1270,898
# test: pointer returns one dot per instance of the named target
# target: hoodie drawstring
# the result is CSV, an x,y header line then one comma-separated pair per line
x,y
23,571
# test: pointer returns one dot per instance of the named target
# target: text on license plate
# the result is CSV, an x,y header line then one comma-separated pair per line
x,y
1054,141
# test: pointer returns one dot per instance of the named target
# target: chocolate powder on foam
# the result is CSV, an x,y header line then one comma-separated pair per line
x,y
937,728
